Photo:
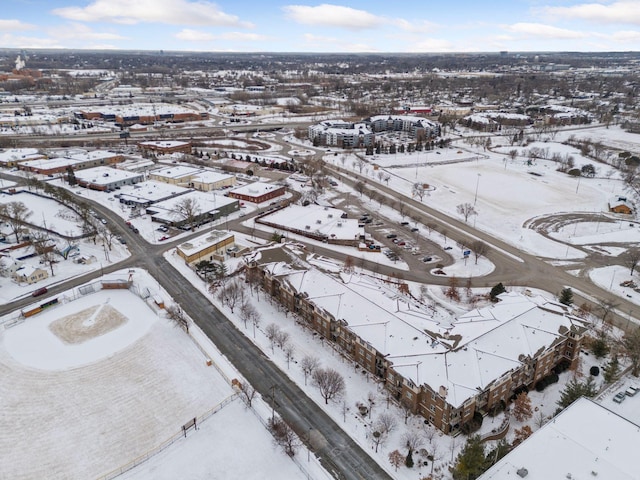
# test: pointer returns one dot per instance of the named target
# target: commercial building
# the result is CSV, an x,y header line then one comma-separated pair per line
x,y
257,192
106,178
209,247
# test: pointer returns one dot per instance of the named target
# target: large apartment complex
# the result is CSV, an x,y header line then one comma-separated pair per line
x,y
444,368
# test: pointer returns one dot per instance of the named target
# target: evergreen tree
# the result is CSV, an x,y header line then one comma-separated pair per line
x,y
409,460
576,389
611,370
471,461
495,291
566,296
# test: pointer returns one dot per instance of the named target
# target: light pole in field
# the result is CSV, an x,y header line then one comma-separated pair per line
x,y
475,199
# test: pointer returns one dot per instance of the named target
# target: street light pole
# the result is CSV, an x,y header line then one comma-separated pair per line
x,y
475,199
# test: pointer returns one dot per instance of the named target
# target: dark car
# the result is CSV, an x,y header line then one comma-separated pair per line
x,y
40,291
392,235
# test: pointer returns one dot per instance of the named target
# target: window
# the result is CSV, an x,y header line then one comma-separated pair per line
x,y
432,408
409,395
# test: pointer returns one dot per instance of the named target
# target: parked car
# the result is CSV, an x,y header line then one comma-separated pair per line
x,y
631,391
40,291
404,223
415,229
619,397
448,248
164,237
427,259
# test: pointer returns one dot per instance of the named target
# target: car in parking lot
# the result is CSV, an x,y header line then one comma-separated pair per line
x,y
392,235
427,259
631,391
619,397
164,237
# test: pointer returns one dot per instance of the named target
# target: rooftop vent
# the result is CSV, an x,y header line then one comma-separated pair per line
x,y
523,472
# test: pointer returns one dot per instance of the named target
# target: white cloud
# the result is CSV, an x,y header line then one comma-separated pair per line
x,y
626,12
14,25
174,12
333,44
542,31
8,40
191,35
333,16
626,36
81,32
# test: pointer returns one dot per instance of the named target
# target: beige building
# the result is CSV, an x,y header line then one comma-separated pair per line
x,y
209,247
28,274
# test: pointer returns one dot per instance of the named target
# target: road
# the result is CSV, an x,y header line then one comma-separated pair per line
x,y
338,453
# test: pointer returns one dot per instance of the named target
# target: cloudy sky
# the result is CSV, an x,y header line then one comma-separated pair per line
x,y
334,26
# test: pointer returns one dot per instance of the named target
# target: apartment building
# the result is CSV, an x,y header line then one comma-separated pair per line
x,y
449,370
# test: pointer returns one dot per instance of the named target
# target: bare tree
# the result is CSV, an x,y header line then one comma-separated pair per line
x,y
384,424
177,316
107,236
418,190
479,248
288,349
230,294
396,459
16,215
631,345
247,393
187,211
271,331
247,312
631,259
284,436
45,248
606,307
466,210
360,187
413,440
329,382
309,364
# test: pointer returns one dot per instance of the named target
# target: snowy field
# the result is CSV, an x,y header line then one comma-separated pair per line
x,y
93,383
505,193
46,213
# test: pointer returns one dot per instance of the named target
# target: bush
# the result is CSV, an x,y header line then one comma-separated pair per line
x,y
561,367
575,172
594,371
546,381
472,425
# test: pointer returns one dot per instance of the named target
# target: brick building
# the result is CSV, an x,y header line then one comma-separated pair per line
x,y
450,371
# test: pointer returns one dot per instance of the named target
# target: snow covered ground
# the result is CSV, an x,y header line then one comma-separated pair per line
x,y
104,379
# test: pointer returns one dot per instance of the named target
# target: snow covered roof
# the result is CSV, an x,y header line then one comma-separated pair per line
x,y
586,440
204,241
104,175
426,346
19,154
206,203
317,219
256,189
175,172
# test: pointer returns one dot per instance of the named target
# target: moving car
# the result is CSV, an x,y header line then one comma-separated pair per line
x,y
40,291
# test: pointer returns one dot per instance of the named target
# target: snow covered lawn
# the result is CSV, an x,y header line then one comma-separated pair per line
x,y
79,406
